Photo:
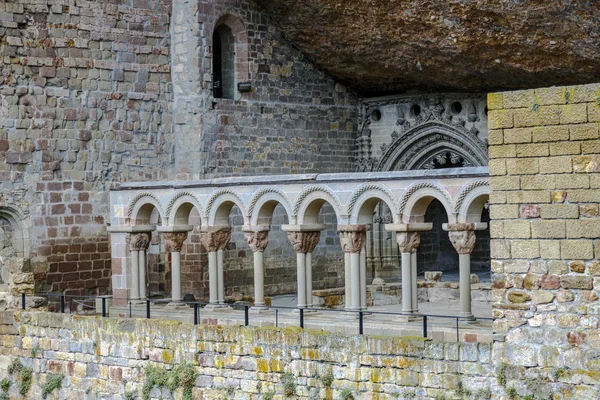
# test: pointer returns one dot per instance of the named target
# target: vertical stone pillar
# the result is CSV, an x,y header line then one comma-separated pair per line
x,y
138,244
304,243
413,278
258,241
174,242
215,239
462,236
352,239
408,243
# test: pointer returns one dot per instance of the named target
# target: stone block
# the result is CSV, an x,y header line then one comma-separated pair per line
x,y
550,282
500,211
518,296
538,182
550,249
542,296
556,165
573,114
586,163
532,281
550,134
577,266
533,150
526,249
576,250
584,131
576,282
499,248
517,135
499,119
502,151
548,229
517,229
523,166
435,276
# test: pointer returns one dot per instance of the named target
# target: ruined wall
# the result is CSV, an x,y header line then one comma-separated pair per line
x,y
234,362
545,185
85,104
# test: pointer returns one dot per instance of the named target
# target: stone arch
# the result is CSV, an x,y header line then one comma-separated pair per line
x,y
219,206
309,203
471,200
21,229
417,198
141,207
230,31
180,207
418,146
364,200
263,205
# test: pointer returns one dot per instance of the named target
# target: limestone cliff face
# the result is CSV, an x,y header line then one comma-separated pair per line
x,y
484,45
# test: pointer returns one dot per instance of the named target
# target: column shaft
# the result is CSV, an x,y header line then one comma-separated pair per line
x,y
220,278
347,281
135,274
413,276
176,276
213,284
465,284
363,278
309,282
406,283
301,271
355,273
259,279
142,268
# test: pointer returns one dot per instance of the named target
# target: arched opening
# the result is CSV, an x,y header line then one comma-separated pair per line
x,y
223,62
158,283
436,252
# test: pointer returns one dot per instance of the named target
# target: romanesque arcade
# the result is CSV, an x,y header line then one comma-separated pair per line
x,y
139,209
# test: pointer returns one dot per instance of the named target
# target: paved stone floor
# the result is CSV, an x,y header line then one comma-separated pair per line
x,y
334,321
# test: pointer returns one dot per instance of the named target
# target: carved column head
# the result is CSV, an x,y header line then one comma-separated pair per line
x,y
463,241
304,242
408,241
215,240
462,236
352,237
175,240
257,241
139,241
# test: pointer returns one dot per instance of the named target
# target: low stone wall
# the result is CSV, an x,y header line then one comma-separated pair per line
x,y
93,357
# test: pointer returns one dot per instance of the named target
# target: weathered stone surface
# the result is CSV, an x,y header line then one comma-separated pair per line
x,y
576,282
542,296
403,45
563,296
516,296
435,276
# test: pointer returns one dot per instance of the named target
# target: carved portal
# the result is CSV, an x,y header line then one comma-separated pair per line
x,y
175,240
304,242
139,241
257,241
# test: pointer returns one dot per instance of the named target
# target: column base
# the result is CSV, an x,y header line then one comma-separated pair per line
x,y
378,281
216,306
466,317
408,318
259,310
177,305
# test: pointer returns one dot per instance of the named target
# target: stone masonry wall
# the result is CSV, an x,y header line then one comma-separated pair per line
x,y
107,358
545,227
85,104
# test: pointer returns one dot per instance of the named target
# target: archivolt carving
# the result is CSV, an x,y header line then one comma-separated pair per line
x,y
417,186
217,194
311,189
177,197
261,193
465,191
138,197
365,188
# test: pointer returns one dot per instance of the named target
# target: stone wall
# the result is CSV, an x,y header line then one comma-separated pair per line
x,y
85,103
545,225
234,362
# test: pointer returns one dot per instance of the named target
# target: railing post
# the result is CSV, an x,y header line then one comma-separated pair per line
x,y
302,318
62,303
23,300
425,326
195,314
360,322
457,335
276,318
103,307
129,309
147,308
246,316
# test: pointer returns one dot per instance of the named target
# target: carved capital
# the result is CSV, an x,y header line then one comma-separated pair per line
x,y
408,241
138,241
463,241
216,240
352,237
175,240
257,241
304,242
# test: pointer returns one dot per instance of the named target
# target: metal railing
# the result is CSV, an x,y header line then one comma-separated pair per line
x,y
197,306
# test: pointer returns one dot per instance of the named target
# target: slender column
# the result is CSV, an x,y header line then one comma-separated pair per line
x,y
363,278
413,276
174,242
138,243
462,237
352,239
408,243
215,239
258,241
304,243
